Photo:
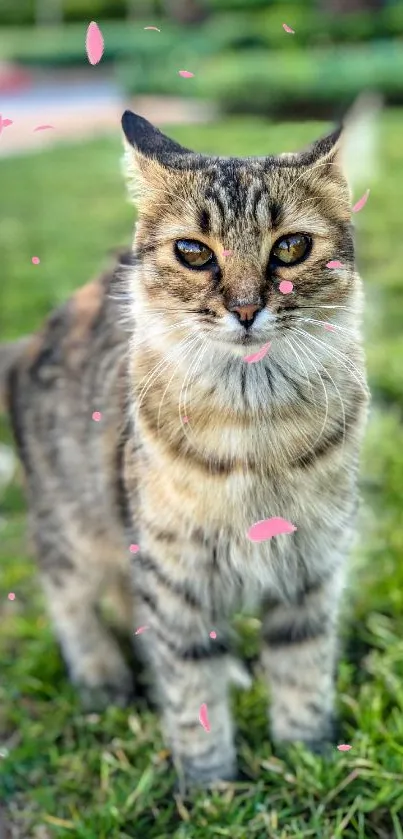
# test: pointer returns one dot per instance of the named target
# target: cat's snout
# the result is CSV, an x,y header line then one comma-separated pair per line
x,y
245,314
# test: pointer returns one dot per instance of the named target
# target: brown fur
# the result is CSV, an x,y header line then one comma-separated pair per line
x,y
277,438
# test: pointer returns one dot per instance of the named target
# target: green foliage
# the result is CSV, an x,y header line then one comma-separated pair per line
x,y
107,777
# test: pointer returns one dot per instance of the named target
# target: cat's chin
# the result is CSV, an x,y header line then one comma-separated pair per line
x,y
240,348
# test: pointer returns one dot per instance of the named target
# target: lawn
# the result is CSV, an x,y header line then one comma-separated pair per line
x,y
64,774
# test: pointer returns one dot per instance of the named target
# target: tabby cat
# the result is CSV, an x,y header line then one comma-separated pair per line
x,y
150,446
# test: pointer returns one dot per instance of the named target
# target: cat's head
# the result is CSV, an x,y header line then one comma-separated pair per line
x,y
234,249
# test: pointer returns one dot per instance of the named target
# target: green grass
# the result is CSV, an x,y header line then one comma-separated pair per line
x,y
70,775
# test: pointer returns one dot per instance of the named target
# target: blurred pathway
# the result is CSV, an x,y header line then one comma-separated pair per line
x,y
79,106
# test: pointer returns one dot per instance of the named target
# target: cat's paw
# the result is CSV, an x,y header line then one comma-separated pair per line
x,y
192,777
100,698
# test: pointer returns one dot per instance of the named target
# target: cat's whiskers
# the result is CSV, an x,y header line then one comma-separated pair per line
x,y
356,374
314,357
191,373
316,441
288,341
157,370
192,342
336,326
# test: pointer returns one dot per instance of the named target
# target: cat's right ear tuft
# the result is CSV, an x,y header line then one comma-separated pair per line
x,y
149,157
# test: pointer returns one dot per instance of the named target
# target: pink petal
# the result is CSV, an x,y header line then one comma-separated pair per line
x,y
267,528
361,203
330,327
11,596
344,748
185,74
203,718
257,356
334,263
288,29
153,27
1,124
94,43
35,260
141,629
97,416
185,419
286,287
43,127
213,635
226,253
134,548
6,122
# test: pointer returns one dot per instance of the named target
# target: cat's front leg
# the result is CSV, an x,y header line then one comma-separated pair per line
x,y
299,656
190,669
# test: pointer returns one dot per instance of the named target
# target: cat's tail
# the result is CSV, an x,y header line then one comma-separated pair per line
x,y
9,355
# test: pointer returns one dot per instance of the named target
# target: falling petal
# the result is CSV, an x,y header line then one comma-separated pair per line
x,y
226,253
35,260
203,718
288,29
185,419
11,596
267,528
334,263
134,548
344,748
330,327
257,356
141,629
286,287
97,416
361,203
43,127
186,74
94,43
4,123
213,635
153,27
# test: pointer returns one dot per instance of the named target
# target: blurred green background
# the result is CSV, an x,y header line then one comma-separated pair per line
x,y
66,774
232,46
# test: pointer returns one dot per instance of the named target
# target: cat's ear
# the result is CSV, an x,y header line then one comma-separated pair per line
x,y
149,155
352,147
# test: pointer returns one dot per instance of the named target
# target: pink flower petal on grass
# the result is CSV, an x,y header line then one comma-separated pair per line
x,y
11,596
35,260
141,629
155,28
334,263
286,287
94,43
267,528
43,127
257,356
288,29
97,416
361,203
213,635
186,74
344,748
203,718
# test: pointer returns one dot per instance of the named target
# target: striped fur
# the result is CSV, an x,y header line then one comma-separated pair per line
x,y
153,342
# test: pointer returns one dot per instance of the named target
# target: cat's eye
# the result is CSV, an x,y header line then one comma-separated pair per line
x,y
291,249
193,254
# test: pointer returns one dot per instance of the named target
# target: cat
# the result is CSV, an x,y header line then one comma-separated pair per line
x,y
150,446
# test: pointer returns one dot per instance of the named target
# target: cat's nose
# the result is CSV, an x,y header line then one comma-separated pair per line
x,y
245,314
